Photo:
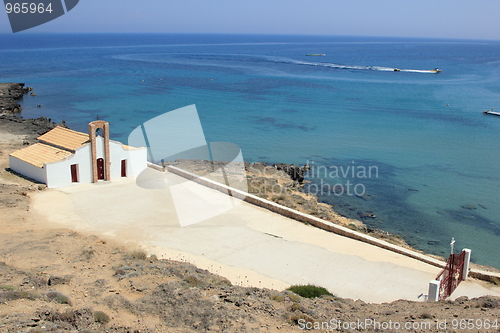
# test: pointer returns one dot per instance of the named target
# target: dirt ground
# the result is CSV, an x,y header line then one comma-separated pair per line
x,y
58,280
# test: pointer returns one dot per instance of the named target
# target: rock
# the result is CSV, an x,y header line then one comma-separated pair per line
x,y
256,167
296,173
55,280
366,197
9,93
366,215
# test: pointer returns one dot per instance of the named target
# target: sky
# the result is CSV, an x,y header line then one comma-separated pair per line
x,y
463,19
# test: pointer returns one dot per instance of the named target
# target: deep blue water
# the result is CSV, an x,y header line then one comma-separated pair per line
x,y
424,133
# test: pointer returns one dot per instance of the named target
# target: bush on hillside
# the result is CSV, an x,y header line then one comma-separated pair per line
x,y
309,291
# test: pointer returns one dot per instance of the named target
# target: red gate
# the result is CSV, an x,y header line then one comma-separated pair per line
x,y
451,275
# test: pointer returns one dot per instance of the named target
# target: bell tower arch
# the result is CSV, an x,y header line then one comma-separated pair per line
x,y
93,127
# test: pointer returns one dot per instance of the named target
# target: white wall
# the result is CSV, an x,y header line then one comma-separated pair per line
x,y
59,173
136,161
28,170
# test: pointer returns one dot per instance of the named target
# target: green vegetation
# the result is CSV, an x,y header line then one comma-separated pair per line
x,y
193,281
13,295
7,288
101,318
297,307
309,291
294,297
58,297
277,298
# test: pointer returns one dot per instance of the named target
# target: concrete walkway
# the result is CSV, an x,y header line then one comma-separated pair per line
x,y
247,244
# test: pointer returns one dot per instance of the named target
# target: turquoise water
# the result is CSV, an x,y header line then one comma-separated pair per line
x,y
425,134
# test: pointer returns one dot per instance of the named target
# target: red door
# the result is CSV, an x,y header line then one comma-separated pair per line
x,y
124,168
100,168
74,173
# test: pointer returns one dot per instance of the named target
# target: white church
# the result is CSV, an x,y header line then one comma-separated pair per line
x,y
64,157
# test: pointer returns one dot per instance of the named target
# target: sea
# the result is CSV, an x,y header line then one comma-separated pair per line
x,y
409,151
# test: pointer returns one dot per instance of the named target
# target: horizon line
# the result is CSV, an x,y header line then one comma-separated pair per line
x,y
249,34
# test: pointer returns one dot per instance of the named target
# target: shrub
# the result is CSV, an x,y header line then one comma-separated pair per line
x,y
58,297
309,291
101,318
193,281
67,316
296,307
294,297
13,295
7,288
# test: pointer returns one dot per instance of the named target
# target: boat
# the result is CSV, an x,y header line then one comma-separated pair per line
x,y
435,70
316,55
495,113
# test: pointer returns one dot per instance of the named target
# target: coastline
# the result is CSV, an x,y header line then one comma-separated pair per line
x,y
280,183
9,94
277,186
120,280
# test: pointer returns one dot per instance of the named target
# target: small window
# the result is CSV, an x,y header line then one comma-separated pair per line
x,y
74,173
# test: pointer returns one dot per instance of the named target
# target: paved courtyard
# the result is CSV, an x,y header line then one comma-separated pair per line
x,y
247,244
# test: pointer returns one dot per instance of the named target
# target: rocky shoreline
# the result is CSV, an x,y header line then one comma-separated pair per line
x,y
283,184
9,94
58,280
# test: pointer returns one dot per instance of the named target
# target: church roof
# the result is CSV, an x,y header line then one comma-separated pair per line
x,y
64,138
40,154
56,145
